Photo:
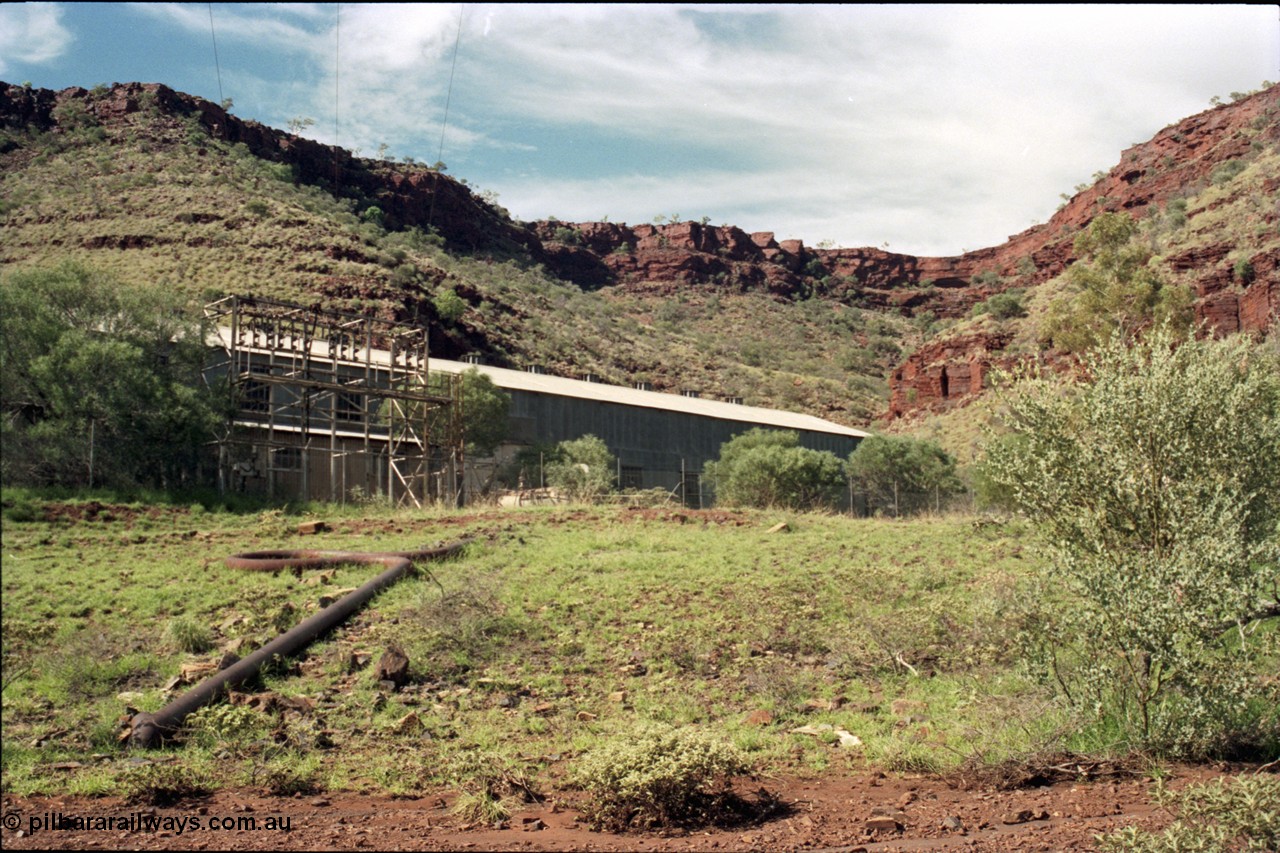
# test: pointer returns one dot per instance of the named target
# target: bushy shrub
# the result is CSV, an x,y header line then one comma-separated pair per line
x,y
658,775
449,305
767,468
1154,486
224,725
161,784
490,786
1225,172
1243,270
583,469
900,473
1114,289
1002,306
1215,816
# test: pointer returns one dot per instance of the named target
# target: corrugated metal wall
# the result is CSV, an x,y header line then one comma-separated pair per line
x,y
662,444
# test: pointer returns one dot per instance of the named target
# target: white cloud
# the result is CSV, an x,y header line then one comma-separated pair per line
x,y
932,128
886,123
31,33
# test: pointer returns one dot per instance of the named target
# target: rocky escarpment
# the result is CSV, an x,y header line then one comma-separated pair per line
x,y
1237,289
666,258
407,194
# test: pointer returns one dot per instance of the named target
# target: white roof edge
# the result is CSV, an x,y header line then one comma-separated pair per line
x,y
541,383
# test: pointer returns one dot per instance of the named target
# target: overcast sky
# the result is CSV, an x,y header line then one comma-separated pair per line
x,y
932,129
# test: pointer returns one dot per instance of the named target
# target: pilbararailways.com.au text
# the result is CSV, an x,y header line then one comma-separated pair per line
x,y
145,822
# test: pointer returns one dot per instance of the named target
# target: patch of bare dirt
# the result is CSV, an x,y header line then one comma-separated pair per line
x,y
869,812
90,511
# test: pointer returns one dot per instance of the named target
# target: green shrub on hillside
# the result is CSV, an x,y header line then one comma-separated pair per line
x,y
1214,816
1002,306
1114,289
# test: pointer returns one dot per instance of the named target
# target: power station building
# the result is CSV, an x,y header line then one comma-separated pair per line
x,y
333,406
659,440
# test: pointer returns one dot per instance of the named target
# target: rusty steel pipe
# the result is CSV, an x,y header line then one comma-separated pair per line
x,y
148,730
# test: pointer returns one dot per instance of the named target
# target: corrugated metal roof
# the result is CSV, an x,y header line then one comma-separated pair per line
x,y
541,383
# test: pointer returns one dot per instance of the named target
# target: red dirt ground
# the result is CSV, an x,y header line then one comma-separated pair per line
x,y
829,813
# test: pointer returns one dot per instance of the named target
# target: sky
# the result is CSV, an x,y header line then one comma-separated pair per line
x,y
929,130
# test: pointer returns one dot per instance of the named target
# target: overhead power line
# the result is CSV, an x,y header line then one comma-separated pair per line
x,y
217,65
444,125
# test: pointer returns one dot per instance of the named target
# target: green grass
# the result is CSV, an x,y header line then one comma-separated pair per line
x,y
558,628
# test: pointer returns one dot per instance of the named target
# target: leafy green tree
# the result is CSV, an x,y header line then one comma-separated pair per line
x,y
1115,290
486,409
1154,484
899,472
583,469
768,468
449,305
100,381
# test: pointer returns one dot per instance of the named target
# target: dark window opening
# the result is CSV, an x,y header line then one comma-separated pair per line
x,y
287,458
349,406
256,394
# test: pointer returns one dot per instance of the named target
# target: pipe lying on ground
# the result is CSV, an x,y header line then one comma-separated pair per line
x,y
148,730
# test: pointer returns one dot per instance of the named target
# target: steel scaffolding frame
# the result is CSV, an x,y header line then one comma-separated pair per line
x,y
360,382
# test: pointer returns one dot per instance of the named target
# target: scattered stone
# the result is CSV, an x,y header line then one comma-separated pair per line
x,y
311,528
618,697
324,577
780,527
190,672
544,709
759,717
951,823
817,731
882,823
586,717
301,704
848,740
393,666
1020,816
410,722
129,697
905,707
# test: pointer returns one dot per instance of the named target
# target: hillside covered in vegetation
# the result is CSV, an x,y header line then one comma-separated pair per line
x,y
163,188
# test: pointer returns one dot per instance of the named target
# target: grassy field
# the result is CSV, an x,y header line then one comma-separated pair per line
x,y
559,629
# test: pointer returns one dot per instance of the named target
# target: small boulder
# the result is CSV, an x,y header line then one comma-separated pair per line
x,y
393,666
